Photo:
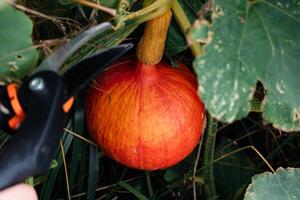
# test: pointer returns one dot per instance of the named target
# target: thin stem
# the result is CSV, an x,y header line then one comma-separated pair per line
x,y
256,105
106,187
79,136
185,25
152,11
211,129
154,6
33,12
66,169
208,157
93,5
151,46
239,150
122,7
195,170
152,15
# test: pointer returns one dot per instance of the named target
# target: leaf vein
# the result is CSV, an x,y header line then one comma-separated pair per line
x,y
266,31
281,10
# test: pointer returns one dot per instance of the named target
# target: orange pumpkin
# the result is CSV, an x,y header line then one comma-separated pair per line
x,y
146,114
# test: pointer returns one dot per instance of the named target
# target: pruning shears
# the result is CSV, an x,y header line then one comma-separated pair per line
x,y
36,111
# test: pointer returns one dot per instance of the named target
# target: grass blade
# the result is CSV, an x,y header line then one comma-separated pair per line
x,y
133,191
93,171
79,149
53,173
149,184
66,170
117,186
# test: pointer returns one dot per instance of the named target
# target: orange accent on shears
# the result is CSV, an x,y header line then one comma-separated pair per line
x,y
16,120
68,105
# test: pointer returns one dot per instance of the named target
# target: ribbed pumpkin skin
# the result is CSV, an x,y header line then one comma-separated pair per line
x,y
145,116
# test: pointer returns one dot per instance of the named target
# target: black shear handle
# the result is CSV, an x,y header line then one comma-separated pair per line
x,y
31,149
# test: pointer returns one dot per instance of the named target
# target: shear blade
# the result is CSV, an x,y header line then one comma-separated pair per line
x,y
79,75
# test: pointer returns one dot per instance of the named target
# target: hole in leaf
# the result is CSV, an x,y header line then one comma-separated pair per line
x,y
217,12
296,114
19,57
260,91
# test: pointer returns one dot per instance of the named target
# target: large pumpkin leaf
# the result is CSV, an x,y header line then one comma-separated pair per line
x,y
250,41
284,184
17,56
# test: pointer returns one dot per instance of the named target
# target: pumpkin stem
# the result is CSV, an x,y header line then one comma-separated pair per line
x,y
151,47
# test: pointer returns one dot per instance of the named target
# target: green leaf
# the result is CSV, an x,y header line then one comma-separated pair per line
x,y
132,190
284,184
252,41
17,54
79,149
53,164
93,171
177,172
173,173
176,42
191,8
2,4
200,33
109,3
